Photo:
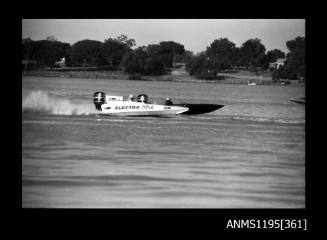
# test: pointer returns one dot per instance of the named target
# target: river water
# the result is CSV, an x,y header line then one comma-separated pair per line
x,y
248,154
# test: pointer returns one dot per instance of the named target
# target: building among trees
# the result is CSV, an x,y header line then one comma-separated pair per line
x,y
61,63
277,64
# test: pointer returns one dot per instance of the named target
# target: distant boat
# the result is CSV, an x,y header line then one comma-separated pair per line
x,y
284,82
298,100
252,83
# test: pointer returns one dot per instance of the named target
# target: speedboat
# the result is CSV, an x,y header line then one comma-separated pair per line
x,y
118,106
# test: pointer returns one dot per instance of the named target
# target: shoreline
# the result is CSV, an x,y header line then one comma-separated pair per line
x,y
116,75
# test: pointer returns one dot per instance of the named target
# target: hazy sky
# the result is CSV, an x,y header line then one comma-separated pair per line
x,y
194,34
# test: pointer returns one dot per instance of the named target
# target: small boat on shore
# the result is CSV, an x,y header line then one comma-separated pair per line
x,y
298,100
117,106
252,83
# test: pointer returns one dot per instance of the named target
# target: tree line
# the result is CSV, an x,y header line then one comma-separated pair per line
x,y
157,59
223,54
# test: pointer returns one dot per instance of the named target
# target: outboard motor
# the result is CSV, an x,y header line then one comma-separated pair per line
x,y
99,98
143,98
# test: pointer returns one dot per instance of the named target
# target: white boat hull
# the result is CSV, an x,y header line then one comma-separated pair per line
x,y
126,108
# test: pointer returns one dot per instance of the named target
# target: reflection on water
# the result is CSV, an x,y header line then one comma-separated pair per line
x,y
249,154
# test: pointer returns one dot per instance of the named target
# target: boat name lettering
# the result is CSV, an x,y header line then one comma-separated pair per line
x,y
126,107
147,107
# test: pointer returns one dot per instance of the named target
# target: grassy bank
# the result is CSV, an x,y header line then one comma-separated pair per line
x,y
175,76
111,75
78,74
121,75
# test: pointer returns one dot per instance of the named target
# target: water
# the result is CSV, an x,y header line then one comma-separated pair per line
x,y
249,154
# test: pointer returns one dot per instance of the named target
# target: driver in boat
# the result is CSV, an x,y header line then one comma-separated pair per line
x,y
130,98
168,101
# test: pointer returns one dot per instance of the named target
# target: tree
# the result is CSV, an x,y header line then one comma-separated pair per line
x,y
85,53
295,63
143,60
113,50
51,38
154,66
200,67
236,57
153,59
134,61
252,53
125,40
166,51
220,54
272,56
47,53
28,51
184,57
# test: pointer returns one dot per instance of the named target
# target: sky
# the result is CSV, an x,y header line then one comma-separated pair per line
x,y
195,34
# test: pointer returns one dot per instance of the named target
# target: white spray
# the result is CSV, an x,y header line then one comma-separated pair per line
x,y
40,101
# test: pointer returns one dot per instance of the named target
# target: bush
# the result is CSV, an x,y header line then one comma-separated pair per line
x,y
220,78
29,67
154,67
105,68
134,76
204,74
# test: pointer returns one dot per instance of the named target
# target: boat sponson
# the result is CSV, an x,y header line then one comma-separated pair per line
x,y
199,108
299,101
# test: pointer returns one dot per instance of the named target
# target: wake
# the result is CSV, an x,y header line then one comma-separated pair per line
x,y
40,102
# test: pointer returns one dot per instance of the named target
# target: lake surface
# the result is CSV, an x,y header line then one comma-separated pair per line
x,y
248,154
